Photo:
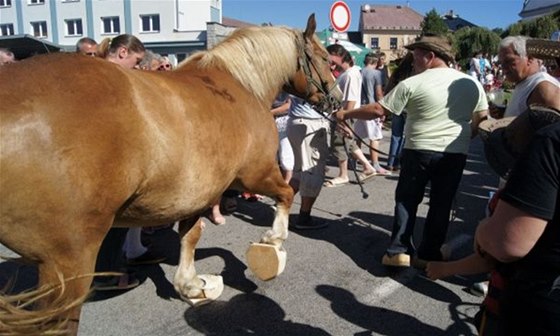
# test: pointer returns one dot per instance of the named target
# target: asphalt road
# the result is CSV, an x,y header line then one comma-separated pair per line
x,y
333,283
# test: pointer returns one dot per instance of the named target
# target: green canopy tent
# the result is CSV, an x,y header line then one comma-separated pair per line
x,y
358,52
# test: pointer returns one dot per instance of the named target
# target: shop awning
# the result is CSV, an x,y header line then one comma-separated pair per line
x,y
25,45
358,52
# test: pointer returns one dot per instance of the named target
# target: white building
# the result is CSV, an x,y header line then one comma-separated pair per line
x,y
169,27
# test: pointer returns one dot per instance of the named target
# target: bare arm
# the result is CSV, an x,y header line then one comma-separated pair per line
x,y
472,264
282,109
509,234
378,92
367,112
349,105
478,117
547,94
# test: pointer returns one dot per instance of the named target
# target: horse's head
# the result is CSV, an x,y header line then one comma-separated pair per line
x,y
314,80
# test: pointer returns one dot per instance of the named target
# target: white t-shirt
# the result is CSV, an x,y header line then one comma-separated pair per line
x,y
350,83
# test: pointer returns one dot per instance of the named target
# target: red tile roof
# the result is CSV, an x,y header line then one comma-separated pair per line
x,y
389,17
230,22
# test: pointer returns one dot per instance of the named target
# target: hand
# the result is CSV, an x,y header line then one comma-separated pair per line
x,y
436,270
343,128
339,115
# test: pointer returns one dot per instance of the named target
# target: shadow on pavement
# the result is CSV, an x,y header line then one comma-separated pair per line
x,y
246,314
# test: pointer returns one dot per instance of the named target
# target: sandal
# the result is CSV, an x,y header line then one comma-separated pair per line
x,y
382,172
336,182
249,197
122,282
362,177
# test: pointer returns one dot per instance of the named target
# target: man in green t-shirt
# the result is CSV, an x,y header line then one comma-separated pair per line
x,y
444,108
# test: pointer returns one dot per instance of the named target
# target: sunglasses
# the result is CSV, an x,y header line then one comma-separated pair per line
x,y
92,54
164,67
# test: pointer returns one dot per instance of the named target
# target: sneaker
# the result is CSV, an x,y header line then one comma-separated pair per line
x,y
310,224
398,260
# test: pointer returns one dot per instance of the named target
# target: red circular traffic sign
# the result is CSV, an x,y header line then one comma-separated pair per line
x,y
340,16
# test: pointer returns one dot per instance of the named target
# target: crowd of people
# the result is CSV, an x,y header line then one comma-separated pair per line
x,y
519,243
431,129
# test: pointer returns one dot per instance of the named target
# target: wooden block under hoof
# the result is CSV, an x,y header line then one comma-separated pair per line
x,y
266,261
212,289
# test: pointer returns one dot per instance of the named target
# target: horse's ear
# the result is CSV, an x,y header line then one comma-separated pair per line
x,y
311,26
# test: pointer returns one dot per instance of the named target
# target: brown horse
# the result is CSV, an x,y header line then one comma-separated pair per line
x,y
86,145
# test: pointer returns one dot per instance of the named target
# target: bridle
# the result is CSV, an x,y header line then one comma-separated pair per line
x,y
328,103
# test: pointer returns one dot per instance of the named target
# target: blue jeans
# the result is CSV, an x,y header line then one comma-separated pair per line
x,y
397,139
443,171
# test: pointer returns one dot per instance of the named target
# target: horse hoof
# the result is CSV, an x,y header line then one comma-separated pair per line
x,y
211,290
266,261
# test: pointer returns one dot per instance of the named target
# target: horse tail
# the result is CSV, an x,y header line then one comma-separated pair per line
x,y
18,318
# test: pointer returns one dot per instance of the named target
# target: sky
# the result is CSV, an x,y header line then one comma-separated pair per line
x,y
294,13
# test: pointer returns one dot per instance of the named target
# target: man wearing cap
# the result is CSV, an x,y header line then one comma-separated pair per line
x,y
517,57
441,103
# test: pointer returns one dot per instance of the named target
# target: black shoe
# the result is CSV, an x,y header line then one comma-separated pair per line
x,y
310,224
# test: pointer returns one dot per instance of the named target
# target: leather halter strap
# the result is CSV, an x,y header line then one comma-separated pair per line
x,y
328,102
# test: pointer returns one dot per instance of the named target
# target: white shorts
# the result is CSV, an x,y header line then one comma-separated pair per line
x,y
369,129
285,154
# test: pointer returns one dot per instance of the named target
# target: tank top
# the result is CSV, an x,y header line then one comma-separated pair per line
x,y
523,89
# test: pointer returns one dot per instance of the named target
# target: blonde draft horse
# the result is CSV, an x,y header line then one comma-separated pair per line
x,y
86,145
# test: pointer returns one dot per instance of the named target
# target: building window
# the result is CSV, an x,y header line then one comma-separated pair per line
x,y
70,0
5,3
39,28
393,43
375,43
36,2
74,27
6,29
150,23
111,25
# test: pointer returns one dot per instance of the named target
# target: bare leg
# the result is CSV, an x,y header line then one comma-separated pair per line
x,y
215,215
343,169
359,155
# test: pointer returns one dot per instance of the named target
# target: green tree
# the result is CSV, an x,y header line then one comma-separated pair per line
x,y
469,40
542,27
498,31
433,24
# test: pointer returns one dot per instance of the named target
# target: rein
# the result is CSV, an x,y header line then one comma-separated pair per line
x,y
329,104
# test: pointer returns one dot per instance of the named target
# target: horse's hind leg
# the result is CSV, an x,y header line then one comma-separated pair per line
x,y
192,288
70,263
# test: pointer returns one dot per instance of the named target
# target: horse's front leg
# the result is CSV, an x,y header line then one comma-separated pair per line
x,y
284,195
267,259
192,288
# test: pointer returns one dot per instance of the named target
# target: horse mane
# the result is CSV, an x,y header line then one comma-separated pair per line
x,y
256,56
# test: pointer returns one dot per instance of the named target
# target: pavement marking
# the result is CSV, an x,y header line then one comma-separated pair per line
x,y
390,285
